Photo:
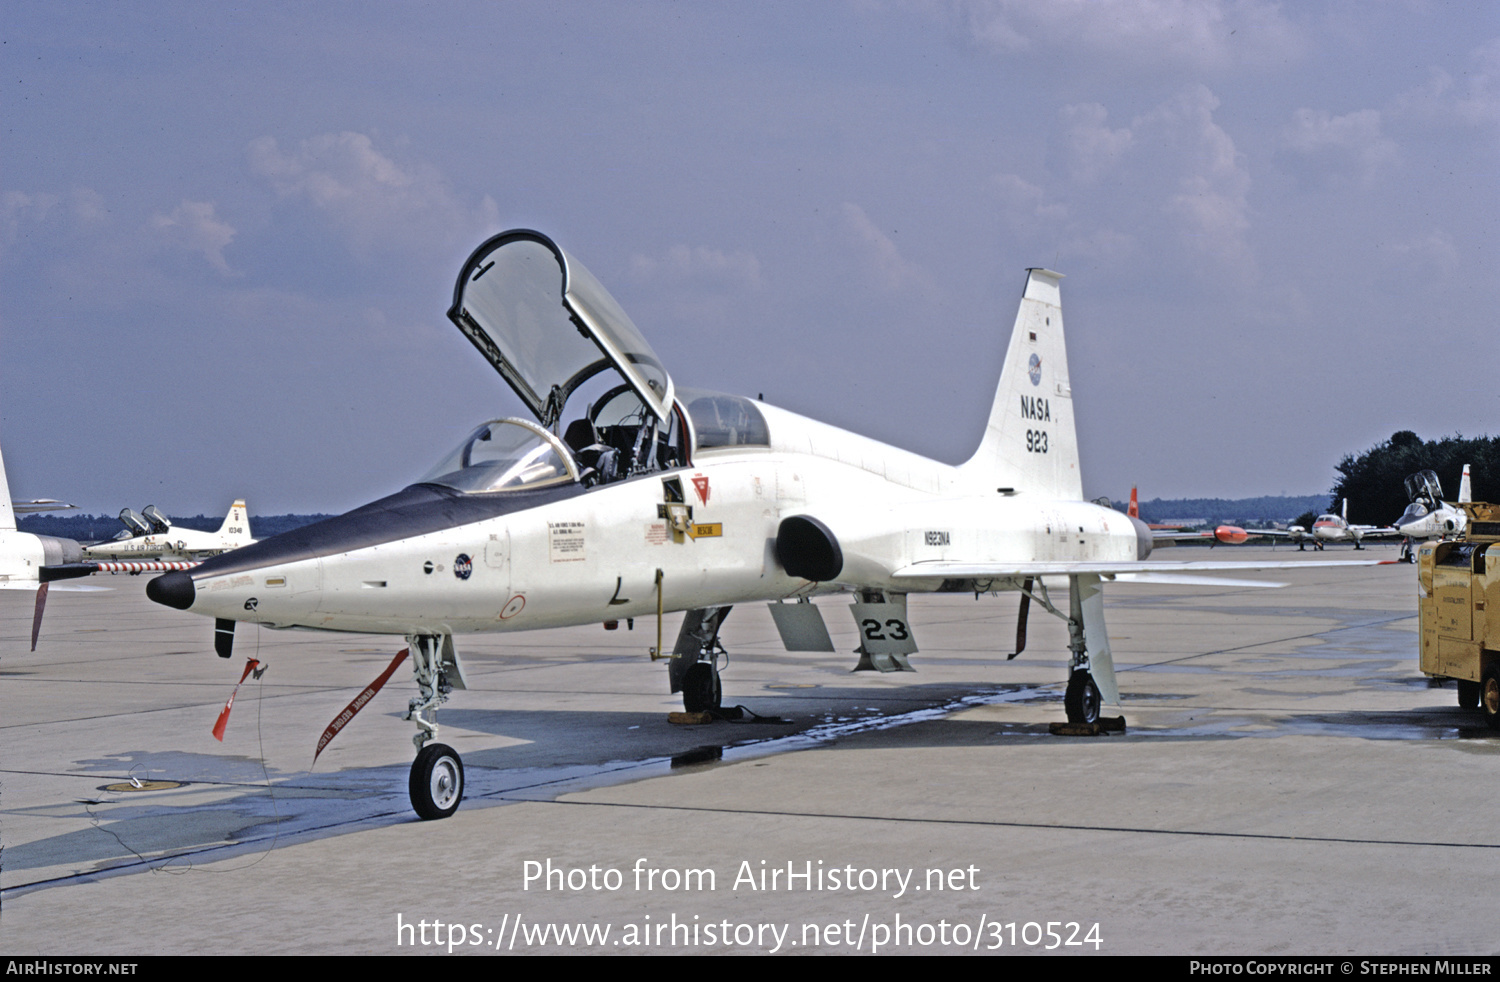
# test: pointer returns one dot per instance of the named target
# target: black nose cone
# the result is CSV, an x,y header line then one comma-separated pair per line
x,y
172,589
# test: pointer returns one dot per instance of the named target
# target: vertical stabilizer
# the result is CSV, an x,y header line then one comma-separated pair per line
x,y
1464,492
237,523
1030,443
7,513
1134,511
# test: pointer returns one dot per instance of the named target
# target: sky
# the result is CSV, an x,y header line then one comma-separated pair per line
x,y
231,231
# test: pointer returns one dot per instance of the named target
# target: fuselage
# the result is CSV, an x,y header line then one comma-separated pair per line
x,y
431,560
23,554
1418,522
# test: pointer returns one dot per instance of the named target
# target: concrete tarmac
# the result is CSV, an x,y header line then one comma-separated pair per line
x,y
1288,784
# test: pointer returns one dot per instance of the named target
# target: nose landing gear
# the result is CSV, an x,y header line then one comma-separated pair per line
x,y
436,784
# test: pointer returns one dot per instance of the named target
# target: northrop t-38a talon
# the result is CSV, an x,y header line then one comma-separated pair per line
x,y
151,535
647,498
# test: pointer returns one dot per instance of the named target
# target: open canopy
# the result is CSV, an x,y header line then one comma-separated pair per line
x,y
548,326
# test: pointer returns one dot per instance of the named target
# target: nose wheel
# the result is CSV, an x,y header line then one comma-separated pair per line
x,y
437,781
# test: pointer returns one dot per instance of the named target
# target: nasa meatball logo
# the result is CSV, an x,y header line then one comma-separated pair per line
x,y
463,566
1034,369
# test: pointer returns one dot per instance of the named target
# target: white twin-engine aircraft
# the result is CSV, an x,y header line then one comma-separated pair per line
x,y
656,498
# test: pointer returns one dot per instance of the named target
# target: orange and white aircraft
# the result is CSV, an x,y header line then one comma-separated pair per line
x,y
1230,535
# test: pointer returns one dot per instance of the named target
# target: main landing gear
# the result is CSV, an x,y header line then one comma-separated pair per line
x,y
1083,699
694,668
701,689
436,785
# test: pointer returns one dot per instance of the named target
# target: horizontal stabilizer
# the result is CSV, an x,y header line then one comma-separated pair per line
x,y
943,569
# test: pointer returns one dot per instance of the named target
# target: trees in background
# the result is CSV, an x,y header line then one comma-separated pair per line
x,y
1374,481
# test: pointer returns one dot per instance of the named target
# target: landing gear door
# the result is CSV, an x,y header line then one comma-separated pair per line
x,y
547,325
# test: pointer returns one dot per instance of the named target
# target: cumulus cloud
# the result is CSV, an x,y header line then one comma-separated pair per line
x,y
1433,254
699,264
80,208
193,226
375,202
1205,34
1354,140
1473,102
1210,197
881,256
1022,201
1172,181
1089,147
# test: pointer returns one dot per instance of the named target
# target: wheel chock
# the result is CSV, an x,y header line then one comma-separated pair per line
x,y
1106,724
689,719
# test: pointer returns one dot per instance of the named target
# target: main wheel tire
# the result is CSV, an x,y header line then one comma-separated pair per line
x,y
437,781
1489,696
701,688
1082,701
1468,694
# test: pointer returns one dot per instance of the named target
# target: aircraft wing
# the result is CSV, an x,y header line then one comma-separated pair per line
x,y
1227,534
945,569
1169,535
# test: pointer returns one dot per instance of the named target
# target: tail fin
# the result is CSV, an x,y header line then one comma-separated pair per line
x,y
1134,511
1030,443
7,513
237,523
1464,492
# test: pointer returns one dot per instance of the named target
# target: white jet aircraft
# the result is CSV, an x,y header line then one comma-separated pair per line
x,y
22,555
152,535
656,498
1429,516
31,562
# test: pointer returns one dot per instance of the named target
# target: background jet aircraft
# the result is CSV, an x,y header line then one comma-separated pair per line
x,y
23,557
36,562
39,505
1429,516
629,497
151,535
22,554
